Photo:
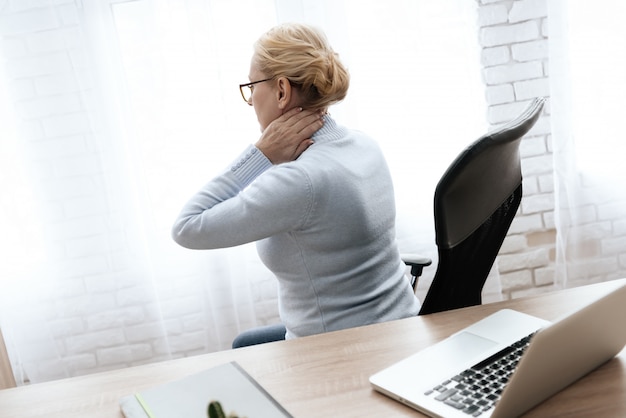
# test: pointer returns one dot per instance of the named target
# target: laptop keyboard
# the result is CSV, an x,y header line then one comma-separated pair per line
x,y
478,389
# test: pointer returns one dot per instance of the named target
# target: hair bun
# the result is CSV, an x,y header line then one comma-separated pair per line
x,y
303,55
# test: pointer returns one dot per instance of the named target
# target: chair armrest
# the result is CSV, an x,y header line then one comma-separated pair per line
x,y
417,263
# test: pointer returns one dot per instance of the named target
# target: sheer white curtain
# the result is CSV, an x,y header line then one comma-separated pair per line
x,y
114,112
588,100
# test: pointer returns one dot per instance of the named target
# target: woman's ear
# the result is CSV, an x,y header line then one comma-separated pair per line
x,y
283,93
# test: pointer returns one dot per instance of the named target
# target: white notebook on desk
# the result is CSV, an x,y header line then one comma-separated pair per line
x,y
236,391
508,362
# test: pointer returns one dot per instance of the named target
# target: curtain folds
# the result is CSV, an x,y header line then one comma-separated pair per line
x,y
114,112
588,98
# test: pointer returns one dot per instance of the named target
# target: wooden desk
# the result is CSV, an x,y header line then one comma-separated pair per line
x,y
327,375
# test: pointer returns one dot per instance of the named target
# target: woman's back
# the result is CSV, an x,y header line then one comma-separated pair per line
x,y
339,265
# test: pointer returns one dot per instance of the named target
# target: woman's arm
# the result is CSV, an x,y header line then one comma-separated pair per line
x,y
225,213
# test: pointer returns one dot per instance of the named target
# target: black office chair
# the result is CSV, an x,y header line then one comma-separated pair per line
x,y
475,202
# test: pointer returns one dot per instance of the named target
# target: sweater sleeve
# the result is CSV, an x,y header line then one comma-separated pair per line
x,y
249,201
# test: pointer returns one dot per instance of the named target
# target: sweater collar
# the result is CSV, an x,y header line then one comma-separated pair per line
x,y
329,132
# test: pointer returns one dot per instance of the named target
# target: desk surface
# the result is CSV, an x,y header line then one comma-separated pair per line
x,y
327,375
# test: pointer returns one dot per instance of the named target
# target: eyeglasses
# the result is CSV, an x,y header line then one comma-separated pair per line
x,y
247,89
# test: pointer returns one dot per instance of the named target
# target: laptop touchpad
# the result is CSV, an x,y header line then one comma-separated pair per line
x,y
447,357
455,352
464,345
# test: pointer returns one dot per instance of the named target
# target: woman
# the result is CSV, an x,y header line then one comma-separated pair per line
x,y
315,196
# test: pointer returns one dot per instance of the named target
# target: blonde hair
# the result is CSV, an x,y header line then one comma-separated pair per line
x,y
303,55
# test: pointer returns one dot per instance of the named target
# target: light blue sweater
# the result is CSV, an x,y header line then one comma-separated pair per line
x,y
324,225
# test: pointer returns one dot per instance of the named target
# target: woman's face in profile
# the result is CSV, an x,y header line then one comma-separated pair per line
x,y
264,97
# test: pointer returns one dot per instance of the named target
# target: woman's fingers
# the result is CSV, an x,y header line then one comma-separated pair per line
x,y
299,119
309,124
289,135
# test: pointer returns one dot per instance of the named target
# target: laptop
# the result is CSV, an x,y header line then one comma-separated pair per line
x,y
508,362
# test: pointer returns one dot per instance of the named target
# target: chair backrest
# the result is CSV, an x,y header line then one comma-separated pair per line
x,y
475,202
